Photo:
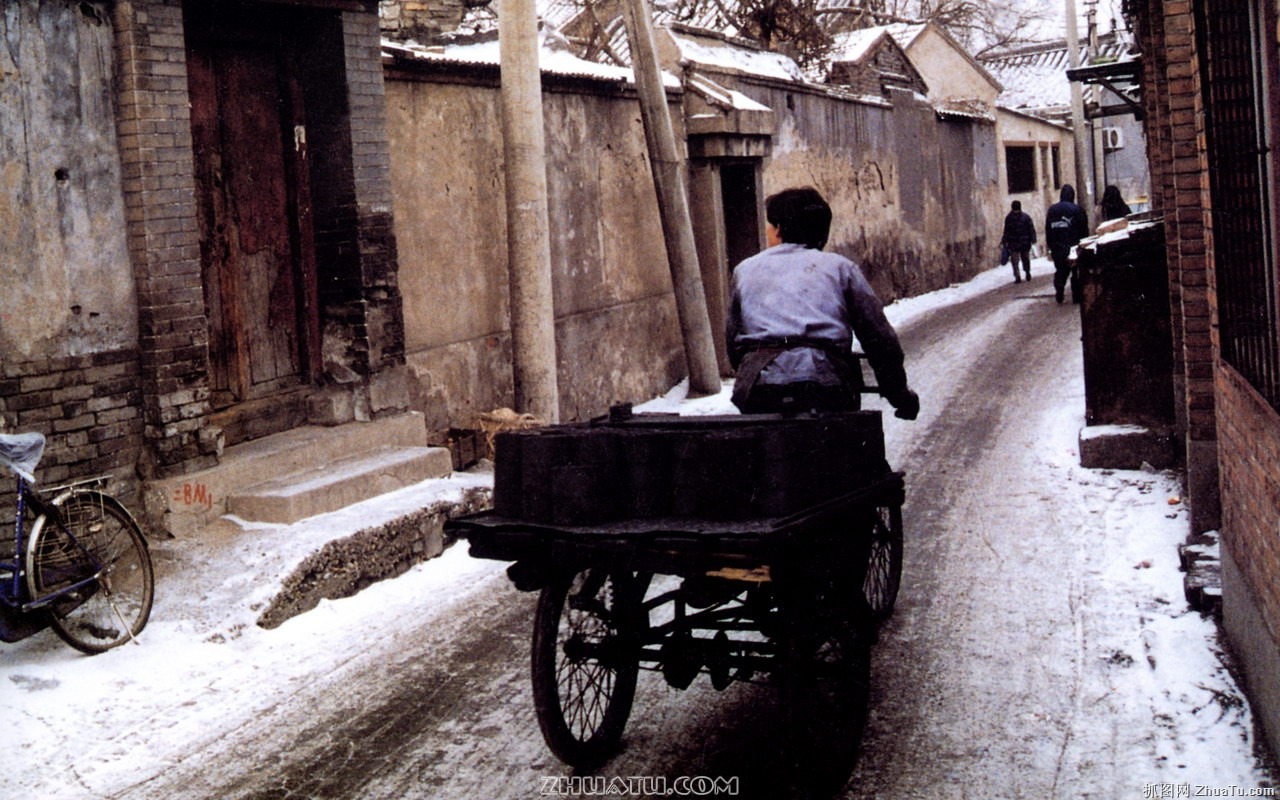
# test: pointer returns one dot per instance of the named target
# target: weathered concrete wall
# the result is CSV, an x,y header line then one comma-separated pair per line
x,y
916,199
616,330
64,264
69,333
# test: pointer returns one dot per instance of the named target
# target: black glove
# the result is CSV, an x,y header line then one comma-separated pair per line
x,y
906,405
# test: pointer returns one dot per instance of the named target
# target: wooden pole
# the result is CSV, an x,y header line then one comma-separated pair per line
x,y
673,202
533,332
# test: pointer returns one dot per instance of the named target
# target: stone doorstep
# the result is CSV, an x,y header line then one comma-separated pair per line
x,y
1126,447
338,484
187,505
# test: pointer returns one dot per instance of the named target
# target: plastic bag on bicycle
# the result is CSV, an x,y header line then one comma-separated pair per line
x,y
21,453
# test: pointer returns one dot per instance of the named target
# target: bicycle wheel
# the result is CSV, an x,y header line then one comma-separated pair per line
x,y
95,535
884,561
826,683
585,663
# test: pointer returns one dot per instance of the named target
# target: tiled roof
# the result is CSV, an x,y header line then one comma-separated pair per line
x,y
1035,78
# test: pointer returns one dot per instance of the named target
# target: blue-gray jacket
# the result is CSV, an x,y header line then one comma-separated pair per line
x,y
791,293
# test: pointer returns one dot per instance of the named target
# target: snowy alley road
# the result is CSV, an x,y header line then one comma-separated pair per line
x,y
1041,646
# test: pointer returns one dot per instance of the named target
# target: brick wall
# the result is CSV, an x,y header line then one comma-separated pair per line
x,y
371,159
887,67
1249,431
159,190
1228,425
142,409
1180,193
88,407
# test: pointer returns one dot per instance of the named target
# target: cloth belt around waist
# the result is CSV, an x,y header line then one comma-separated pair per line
x,y
761,355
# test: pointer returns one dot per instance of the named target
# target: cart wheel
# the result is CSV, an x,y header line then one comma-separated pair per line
x,y
884,562
585,661
825,690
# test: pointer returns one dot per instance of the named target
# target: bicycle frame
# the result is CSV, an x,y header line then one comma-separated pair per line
x,y
15,594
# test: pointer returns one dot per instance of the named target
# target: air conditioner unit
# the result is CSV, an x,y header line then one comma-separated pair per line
x,y
1112,139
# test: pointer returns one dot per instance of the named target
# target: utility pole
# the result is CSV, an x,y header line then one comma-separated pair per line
x,y
1095,98
533,322
673,202
1084,174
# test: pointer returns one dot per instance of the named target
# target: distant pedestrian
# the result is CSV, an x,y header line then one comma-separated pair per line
x,y
1113,204
1064,226
1019,235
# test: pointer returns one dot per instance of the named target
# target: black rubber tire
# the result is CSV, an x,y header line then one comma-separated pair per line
x,y
884,561
115,608
826,685
585,663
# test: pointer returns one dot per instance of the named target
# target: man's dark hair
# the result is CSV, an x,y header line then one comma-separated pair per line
x,y
800,215
1017,205
1068,193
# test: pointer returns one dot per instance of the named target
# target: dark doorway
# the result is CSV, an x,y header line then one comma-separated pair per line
x,y
741,201
249,131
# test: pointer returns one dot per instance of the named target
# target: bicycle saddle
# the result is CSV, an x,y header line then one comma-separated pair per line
x,y
21,453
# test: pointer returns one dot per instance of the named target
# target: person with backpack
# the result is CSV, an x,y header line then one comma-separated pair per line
x,y
1065,224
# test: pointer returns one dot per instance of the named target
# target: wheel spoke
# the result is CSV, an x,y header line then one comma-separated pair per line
x,y
94,539
584,680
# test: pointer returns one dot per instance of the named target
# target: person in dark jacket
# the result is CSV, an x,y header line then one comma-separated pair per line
x,y
1113,204
1019,235
1065,225
793,314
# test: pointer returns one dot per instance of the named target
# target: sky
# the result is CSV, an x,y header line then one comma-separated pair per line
x,y
89,726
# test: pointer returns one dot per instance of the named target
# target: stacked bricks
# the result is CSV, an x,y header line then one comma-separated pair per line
x,y
660,466
159,190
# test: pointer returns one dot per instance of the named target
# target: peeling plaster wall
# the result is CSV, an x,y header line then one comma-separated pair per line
x,y
616,330
64,266
916,198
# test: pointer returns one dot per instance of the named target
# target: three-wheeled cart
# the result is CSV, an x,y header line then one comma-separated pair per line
x,y
754,547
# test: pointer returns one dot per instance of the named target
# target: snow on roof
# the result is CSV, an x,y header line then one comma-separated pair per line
x,y
1036,77
966,109
711,51
905,33
728,99
552,59
856,45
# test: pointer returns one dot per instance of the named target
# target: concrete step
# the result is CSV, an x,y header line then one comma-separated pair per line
x,y
194,504
338,484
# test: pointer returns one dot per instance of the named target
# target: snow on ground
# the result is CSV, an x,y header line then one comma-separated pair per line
x,y
202,645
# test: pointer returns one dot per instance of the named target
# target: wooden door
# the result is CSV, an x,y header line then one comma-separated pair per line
x,y
257,251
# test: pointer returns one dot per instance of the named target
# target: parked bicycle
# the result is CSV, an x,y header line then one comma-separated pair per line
x,y
82,567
